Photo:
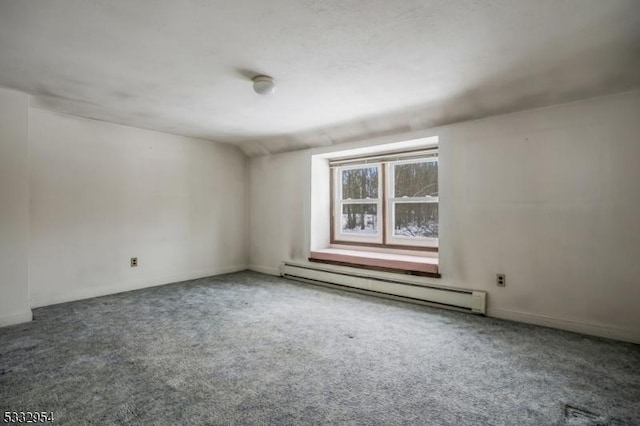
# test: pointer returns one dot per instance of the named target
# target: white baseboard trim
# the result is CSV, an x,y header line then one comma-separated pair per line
x,y
13,319
265,269
599,330
88,293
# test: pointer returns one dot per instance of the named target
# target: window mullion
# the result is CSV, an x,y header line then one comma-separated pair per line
x,y
361,201
414,199
383,208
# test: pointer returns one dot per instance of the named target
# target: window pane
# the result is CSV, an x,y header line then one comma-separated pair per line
x,y
359,219
416,179
416,220
359,184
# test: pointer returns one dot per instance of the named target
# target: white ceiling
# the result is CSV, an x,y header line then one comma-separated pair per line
x,y
346,69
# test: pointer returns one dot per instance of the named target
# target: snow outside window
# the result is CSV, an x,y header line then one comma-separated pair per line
x,y
412,202
389,203
359,203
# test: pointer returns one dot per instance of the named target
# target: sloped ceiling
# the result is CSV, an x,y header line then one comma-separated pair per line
x,y
346,69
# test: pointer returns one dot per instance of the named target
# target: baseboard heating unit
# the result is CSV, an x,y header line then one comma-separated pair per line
x,y
392,286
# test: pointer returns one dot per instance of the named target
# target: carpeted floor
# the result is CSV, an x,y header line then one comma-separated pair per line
x,y
249,349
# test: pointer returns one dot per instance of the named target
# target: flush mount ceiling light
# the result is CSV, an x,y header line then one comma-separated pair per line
x,y
264,85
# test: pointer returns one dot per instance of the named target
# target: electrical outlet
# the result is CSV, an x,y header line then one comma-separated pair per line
x,y
501,280
134,262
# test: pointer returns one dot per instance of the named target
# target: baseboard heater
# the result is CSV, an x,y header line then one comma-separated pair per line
x,y
399,289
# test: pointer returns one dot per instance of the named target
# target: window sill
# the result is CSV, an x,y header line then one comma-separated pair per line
x,y
415,265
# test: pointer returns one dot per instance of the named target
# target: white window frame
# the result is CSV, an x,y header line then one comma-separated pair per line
x,y
385,203
339,203
391,201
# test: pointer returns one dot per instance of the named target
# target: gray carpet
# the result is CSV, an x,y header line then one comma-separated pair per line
x,y
250,349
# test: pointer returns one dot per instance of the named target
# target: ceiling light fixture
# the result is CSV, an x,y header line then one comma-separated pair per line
x,y
264,85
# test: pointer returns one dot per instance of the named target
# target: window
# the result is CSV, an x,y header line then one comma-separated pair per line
x,y
359,201
389,201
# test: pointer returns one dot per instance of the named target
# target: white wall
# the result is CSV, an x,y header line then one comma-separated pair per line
x,y
549,197
14,208
102,193
279,217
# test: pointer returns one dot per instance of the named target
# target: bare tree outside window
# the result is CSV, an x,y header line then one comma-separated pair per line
x,y
413,218
416,220
416,180
400,210
360,218
359,185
